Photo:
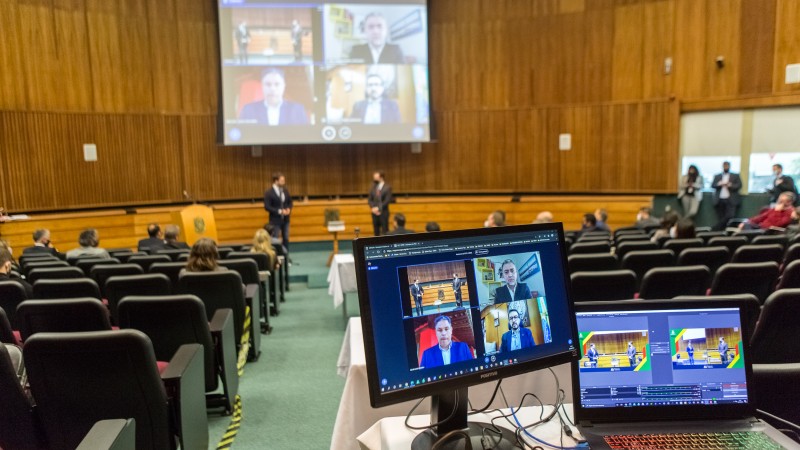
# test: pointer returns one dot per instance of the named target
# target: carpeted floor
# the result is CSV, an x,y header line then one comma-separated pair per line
x,y
291,394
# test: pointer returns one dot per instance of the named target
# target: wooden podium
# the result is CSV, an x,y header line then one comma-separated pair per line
x,y
196,221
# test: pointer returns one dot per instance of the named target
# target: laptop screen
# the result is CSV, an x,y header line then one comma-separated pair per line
x,y
634,357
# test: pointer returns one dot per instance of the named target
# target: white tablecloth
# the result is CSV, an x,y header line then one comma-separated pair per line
x,y
355,414
341,277
391,433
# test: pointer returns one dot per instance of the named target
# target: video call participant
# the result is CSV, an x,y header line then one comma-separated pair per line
x,y
376,109
631,354
512,290
457,283
377,50
723,350
416,293
273,109
593,355
447,352
515,338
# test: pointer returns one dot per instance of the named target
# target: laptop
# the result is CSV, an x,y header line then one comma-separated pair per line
x,y
668,374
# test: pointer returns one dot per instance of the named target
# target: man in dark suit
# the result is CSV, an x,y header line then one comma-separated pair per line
x,y
154,241
380,195
376,109
242,36
171,233
512,290
726,195
593,355
5,272
41,244
448,351
516,337
457,283
417,292
274,110
782,183
400,225
278,202
377,50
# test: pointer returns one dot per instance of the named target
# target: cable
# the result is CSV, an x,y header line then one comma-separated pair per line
x,y
491,400
524,430
433,425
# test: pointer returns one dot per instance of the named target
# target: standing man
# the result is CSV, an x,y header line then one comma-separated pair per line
x,y
457,289
379,198
297,40
690,352
515,338
631,354
376,109
242,36
416,292
726,195
278,203
593,355
782,183
723,350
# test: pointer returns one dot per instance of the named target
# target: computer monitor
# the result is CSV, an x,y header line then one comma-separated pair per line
x,y
446,310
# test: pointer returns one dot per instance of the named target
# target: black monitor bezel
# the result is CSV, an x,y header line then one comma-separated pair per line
x,y
378,398
687,412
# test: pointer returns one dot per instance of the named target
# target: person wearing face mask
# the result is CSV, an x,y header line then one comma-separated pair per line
x,y
380,196
41,244
691,192
726,195
645,218
668,221
782,183
5,271
779,216
683,229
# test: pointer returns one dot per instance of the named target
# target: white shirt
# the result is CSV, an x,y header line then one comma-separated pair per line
x,y
515,343
373,113
376,53
279,193
512,291
725,192
446,354
273,114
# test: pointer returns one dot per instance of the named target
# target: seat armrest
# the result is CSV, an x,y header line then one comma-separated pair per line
x,y
222,334
184,381
264,275
223,317
253,301
112,434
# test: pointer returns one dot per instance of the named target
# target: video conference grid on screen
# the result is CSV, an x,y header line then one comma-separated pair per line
x,y
323,71
465,306
661,358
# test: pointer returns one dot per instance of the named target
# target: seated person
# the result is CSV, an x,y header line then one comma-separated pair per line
x,y
5,271
41,244
154,241
667,222
516,337
262,243
683,229
645,218
778,216
512,290
495,219
447,351
602,217
399,225
277,240
203,257
171,233
432,226
544,217
89,241
589,224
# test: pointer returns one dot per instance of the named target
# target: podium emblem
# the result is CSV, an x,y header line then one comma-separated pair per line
x,y
199,225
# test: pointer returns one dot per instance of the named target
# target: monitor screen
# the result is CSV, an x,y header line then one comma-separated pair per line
x,y
447,310
306,71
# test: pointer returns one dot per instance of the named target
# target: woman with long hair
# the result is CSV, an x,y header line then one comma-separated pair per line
x,y
691,192
203,257
262,243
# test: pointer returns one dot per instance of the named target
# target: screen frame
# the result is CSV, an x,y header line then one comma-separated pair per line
x,y
747,309
378,398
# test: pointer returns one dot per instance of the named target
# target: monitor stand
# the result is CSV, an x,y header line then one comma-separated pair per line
x,y
442,406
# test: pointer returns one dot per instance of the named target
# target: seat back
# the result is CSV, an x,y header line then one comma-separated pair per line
x,y
42,263
217,290
124,256
745,278
6,332
639,237
81,378
790,278
670,282
732,242
121,286
592,262
66,288
678,245
172,270
61,316
758,253
708,235
589,247
777,327
752,305
86,264
11,295
792,254
711,257
780,239
27,258
628,230
147,261
607,285
631,246
102,272
246,267
172,253
169,322
641,261
261,259
225,251
18,430
770,382
54,273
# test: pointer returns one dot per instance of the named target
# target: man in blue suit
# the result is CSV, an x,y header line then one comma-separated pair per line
x,y
447,352
376,109
593,355
274,110
516,338
512,290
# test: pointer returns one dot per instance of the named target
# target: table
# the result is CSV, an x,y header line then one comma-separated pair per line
x,y
391,433
342,280
355,414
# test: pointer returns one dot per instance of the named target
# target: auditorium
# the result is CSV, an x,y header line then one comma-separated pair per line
x,y
317,224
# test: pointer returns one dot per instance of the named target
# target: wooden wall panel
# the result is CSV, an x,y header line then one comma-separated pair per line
x,y
723,40
12,79
787,44
658,34
757,53
627,61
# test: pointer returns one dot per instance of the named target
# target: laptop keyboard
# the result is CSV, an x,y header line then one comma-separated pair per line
x,y
743,440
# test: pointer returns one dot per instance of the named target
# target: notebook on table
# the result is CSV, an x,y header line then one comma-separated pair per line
x,y
668,374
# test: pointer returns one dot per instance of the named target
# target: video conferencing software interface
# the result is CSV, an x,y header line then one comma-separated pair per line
x,y
661,358
446,308
305,71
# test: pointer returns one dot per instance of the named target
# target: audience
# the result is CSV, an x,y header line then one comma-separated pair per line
x,y
89,242
262,243
778,216
667,222
154,241
645,218
683,229
203,257
495,219
544,217
277,240
589,224
432,226
171,233
602,217
41,244
400,225
5,270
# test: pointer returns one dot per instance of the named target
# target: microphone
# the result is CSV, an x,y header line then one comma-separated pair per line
x,y
188,197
